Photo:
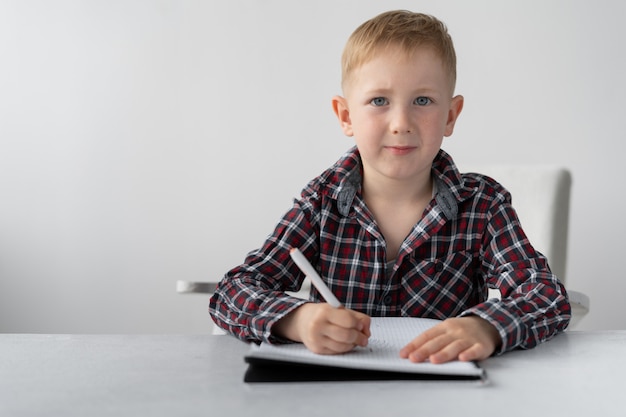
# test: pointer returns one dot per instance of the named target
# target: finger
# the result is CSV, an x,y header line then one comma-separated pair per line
x,y
476,352
429,348
351,320
412,346
366,321
342,335
420,341
449,352
345,318
319,339
328,346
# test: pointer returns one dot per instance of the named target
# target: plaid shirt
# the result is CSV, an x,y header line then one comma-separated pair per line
x,y
468,240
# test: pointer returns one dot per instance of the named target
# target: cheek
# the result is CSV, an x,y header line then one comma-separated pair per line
x,y
435,125
368,124
362,127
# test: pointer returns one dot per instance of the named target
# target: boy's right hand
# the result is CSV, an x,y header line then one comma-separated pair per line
x,y
324,329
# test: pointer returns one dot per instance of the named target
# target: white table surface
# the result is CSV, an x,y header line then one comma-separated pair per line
x,y
575,374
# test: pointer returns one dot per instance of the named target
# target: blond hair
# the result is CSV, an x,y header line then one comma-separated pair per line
x,y
398,28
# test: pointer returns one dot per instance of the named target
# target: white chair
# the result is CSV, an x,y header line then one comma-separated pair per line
x,y
191,287
541,197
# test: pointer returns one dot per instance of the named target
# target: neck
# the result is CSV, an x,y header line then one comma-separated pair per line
x,y
397,191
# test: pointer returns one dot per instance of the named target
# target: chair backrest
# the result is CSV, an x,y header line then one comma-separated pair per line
x,y
541,196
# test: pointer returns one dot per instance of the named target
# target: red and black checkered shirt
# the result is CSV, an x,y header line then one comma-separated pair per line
x,y
468,240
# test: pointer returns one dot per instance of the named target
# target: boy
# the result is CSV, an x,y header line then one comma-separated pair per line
x,y
393,227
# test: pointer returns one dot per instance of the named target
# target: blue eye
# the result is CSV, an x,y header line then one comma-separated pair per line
x,y
378,101
422,101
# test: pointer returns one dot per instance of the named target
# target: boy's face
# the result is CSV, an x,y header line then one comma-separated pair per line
x,y
398,107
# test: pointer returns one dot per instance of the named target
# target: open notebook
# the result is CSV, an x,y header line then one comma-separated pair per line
x,y
380,360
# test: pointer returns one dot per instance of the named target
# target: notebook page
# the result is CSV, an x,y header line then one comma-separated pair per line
x,y
389,335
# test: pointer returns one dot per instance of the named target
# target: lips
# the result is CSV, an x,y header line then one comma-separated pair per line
x,y
400,150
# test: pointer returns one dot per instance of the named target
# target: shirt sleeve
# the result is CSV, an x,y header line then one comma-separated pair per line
x,y
534,305
251,298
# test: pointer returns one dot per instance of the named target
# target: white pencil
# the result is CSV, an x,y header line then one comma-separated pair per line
x,y
316,280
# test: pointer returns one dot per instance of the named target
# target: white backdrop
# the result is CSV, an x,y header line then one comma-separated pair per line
x,y
147,141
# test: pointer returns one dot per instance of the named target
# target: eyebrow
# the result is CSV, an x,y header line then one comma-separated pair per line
x,y
386,91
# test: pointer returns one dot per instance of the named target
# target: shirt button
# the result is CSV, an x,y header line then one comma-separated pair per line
x,y
387,299
439,266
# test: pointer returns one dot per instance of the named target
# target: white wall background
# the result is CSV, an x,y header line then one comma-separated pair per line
x,y
147,141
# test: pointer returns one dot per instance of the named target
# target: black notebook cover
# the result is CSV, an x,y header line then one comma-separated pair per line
x,y
269,370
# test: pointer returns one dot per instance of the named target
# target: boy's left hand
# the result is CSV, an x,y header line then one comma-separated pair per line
x,y
463,338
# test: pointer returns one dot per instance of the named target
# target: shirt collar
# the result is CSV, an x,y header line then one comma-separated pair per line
x,y
451,189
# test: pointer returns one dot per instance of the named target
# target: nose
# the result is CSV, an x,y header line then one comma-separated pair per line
x,y
401,122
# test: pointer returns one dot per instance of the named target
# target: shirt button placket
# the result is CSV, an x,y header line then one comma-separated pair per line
x,y
384,303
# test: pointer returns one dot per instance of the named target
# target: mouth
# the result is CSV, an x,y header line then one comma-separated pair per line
x,y
400,150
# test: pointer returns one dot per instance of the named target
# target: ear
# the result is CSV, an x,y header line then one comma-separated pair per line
x,y
456,105
340,107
